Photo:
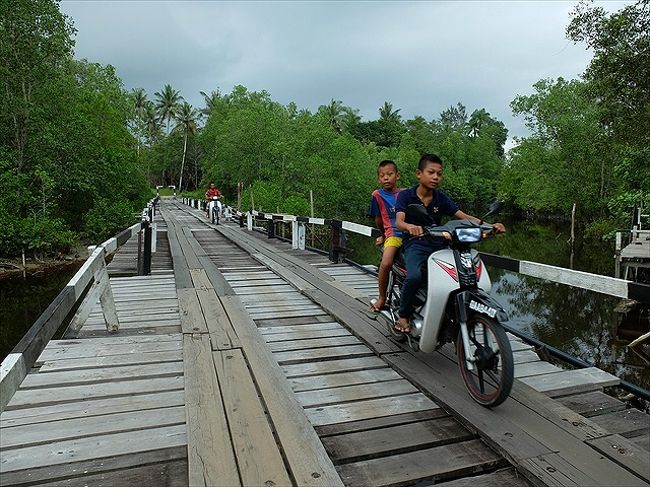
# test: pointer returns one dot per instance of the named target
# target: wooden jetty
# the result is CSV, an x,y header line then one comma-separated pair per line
x,y
241,361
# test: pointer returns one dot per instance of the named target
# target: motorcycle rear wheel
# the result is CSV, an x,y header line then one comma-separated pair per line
x,y
490,382
393,303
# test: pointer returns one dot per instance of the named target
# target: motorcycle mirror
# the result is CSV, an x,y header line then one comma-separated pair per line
x,y
493,208
417,214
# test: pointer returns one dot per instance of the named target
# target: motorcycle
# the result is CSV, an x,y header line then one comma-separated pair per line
x,y
453,305
214,209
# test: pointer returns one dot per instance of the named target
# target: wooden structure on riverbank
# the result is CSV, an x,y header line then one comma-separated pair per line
x,y
250,363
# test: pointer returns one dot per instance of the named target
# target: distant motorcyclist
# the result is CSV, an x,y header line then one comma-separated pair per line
x,y
212,192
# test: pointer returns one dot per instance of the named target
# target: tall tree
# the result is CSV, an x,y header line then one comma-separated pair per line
x,y
454,117
186,118
35,41
167,103
211,101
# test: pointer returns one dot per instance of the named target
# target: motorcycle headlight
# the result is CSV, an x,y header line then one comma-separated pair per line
x,y
468,235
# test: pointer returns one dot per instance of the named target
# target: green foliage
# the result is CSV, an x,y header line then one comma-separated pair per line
x,y
65,144
108,217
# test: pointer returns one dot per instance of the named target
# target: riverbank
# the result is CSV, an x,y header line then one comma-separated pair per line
x,y
13,267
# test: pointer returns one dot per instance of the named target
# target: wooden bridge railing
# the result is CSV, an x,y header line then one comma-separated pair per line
x,y
20,360
593,282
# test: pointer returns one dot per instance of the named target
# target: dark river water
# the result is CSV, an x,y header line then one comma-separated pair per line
x,y
23,300
579,322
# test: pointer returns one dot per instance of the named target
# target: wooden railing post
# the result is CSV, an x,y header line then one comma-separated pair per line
x,y
337,242
270,230
249,221
146,260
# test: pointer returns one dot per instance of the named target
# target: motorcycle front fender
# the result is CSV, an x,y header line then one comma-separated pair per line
x,y
477,301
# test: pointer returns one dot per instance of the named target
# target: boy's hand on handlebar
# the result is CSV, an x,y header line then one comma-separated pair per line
x,y
499,227
379,240
415,231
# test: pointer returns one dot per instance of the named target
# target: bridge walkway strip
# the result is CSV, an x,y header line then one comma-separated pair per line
x,y
367,416
547,442
244,426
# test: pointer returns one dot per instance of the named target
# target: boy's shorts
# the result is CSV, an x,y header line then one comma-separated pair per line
x,y
393,242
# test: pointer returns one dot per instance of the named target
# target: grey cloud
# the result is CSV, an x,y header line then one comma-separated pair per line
x,y
421,56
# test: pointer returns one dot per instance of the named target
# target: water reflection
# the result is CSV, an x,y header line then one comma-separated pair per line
x,y
577,321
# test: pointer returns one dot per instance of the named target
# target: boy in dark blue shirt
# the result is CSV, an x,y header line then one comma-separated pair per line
x,y
417,249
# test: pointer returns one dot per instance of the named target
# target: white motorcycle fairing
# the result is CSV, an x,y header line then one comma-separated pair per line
x,y
441,265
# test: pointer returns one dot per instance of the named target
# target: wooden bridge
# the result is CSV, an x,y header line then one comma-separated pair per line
x,y
242,361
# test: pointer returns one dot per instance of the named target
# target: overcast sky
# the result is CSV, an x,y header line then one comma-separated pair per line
x,y
420,56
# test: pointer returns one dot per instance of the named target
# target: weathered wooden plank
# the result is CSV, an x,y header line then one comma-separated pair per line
x,y
81,449
106,350
286,314
297,356
530,369
77,377
572,381
258,456
43,396
210,454
200,279
111,360
592,403
281,288
379,423
364,445
256,283
371,408
357,392
313,343
314,382
192,319
408,468
95,407
307,459
628,422
67,473
333,366
306,335
182,276
627,454
507,477
172,473
271,330
222,334
27,435
113,340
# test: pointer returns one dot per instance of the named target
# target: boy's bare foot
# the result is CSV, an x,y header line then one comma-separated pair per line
x,y
377,305
402,325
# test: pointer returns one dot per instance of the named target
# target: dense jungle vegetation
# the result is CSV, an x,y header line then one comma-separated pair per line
x,y
79,153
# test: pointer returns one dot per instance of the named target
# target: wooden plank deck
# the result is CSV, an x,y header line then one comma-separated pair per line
x,y
252,364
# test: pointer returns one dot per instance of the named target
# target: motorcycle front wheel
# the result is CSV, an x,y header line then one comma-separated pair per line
x,y
490,381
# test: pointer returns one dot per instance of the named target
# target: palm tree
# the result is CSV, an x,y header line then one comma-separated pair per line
x,y
167,103
333,113
153,126
387,114
186,117
477,121
211,101
351,118
140,102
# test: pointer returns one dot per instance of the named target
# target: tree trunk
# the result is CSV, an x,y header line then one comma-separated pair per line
x,y
180,182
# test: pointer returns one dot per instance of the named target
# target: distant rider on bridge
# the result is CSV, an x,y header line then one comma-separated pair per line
x,y
209,194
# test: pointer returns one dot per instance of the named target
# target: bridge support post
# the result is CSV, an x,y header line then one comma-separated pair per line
x,y
249,221
337,242
298,235
154,237
241,220
146,254
270,230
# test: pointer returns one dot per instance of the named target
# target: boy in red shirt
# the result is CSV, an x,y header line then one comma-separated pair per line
x,y
382,208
